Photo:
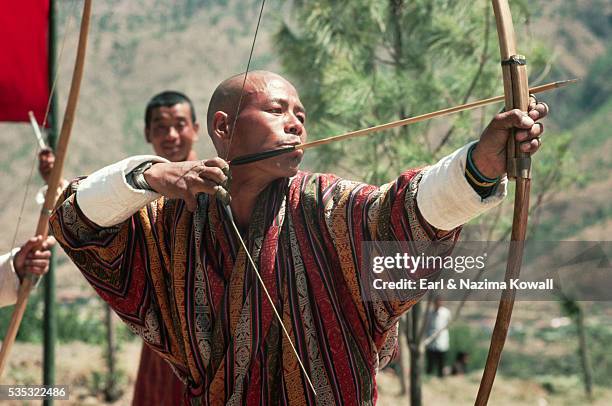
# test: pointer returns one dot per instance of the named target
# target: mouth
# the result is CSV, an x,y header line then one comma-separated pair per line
x,y
288,144
171,148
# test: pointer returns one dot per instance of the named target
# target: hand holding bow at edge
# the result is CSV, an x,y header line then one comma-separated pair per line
x,y
56,176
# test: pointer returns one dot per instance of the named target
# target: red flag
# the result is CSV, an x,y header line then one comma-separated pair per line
x,y
24,67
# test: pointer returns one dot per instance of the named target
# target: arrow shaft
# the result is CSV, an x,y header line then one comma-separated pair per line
x,y
427,116
36,128
258,156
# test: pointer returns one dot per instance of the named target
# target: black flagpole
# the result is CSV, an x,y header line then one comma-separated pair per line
x,y
49,320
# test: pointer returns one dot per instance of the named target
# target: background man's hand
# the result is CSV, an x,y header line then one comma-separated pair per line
x,y
46,160
490,154
184,180
33,257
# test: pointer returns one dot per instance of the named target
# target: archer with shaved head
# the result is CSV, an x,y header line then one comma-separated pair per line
x,y
169,246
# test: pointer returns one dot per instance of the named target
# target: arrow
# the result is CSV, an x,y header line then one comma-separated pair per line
x,y
258,156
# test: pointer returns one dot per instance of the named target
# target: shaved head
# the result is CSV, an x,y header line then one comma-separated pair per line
x,y
271,116
227,95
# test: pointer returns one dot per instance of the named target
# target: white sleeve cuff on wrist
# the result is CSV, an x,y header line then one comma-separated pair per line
x,y
9,281
445,198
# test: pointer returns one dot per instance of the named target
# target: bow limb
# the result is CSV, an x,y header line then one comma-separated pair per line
x,y
56,175
516,93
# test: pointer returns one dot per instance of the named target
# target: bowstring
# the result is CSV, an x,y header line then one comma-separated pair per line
x,y
44,123
229,210
246,73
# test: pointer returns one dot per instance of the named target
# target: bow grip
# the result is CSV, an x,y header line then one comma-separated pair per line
x,y
514,70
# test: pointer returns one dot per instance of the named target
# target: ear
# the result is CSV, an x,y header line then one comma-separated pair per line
x,y
220,131
196,129
147,133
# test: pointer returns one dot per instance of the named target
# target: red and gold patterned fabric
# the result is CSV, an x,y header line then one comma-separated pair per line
x,y
182,282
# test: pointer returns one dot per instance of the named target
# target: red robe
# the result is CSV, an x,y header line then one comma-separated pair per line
x,y
181,281
156,383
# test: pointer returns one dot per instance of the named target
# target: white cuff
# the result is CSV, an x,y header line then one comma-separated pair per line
x,y
105,197
445,198
9,281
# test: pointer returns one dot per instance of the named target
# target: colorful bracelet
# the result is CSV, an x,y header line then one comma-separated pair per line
x,y
481,184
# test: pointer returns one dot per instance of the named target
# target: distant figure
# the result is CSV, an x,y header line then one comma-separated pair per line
x,y
437,327
460,365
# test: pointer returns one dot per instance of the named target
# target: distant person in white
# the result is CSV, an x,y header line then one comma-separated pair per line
x,y
437,348
31,257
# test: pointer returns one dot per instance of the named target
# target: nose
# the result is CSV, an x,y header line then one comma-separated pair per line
x,y
172,133
294,126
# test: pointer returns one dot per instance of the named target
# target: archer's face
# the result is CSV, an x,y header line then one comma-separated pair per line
x,y
171,132
272,117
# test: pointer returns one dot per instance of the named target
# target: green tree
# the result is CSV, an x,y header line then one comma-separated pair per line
x,y
364,63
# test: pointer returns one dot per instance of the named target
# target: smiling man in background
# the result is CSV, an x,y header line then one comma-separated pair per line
x,y
171,126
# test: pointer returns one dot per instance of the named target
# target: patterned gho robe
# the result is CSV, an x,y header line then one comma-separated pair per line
x,y
182,282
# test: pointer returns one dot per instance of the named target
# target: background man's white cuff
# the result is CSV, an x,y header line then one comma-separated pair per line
x,y
9,281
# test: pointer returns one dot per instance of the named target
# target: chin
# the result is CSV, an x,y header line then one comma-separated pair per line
x,y
178,156
284,168
285,173
293,167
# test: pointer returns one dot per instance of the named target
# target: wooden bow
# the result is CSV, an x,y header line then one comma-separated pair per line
x,y
516,91
56,175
